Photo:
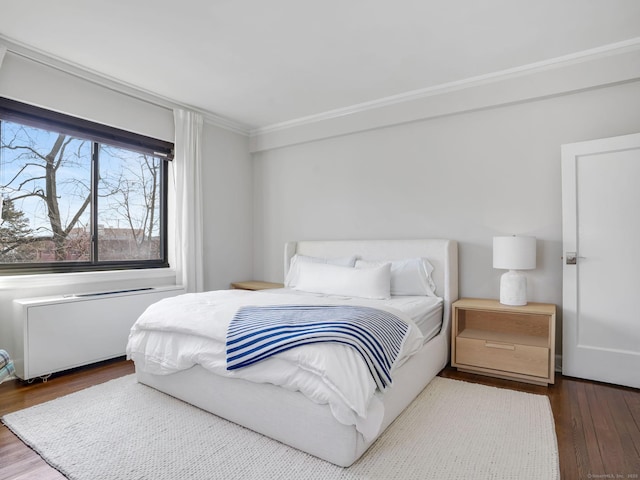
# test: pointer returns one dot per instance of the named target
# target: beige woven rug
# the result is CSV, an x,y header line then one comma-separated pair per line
x,y
124,430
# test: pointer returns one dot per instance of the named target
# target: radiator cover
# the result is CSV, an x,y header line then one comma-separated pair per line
x,y
51,334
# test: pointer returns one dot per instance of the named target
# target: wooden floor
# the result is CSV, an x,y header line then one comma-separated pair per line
x,y
597,425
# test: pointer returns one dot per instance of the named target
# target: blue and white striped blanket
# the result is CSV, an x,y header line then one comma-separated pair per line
x,y
259,332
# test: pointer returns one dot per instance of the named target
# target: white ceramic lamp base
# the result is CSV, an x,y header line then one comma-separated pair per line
x,y
513,288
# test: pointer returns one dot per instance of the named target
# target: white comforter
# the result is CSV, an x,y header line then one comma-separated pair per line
x,y
180,332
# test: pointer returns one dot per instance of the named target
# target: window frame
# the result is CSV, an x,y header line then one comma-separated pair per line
x,y
97,134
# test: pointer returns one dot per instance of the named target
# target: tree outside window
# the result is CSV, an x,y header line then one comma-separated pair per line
x,y
70,200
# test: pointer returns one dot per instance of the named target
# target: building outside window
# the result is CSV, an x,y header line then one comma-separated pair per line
x,y
77,195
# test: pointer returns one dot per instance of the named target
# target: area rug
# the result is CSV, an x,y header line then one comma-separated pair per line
x,y
122,430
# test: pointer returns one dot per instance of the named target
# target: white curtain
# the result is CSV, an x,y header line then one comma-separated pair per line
x,y
188,218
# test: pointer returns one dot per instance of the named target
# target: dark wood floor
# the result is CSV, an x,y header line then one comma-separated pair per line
x,y
597,425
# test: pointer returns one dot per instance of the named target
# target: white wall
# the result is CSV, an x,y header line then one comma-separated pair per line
x,y
227,179
228,202
466,176
42,85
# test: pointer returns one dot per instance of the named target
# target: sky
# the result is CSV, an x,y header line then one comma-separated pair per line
x,y
123,179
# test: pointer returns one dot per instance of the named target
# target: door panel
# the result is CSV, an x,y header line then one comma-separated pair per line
x,y
601,223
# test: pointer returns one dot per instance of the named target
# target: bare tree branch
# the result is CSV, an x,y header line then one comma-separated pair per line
x,y
37,193
78,214
20,171
26,147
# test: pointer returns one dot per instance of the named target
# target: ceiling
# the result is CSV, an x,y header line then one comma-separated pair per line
x,y
260,63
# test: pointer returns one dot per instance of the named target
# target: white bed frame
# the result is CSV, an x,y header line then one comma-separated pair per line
x,y
289,416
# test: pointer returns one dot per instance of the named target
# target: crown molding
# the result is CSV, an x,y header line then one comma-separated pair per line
x,y
346,120
282,134
44,58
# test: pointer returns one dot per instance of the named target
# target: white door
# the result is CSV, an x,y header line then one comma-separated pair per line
x,y
601,262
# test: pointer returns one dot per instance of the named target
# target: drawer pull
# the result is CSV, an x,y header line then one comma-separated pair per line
x,y
503,346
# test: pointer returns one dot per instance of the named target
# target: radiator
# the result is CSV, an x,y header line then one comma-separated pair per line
x,y
51,334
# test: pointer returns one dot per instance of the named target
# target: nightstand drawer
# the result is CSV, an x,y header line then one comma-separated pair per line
x,y
524,359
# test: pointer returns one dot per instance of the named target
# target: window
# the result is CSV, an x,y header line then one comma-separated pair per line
x,y
77,195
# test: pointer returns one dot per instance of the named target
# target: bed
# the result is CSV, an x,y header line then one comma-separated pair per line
x,y
318,425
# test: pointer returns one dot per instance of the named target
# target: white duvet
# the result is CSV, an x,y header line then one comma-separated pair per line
x,y
180,332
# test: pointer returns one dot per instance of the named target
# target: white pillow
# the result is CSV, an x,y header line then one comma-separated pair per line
x,y
292,275
346,281
411,276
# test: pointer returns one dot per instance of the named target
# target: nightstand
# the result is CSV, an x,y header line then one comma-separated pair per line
x,y
255,285
515,343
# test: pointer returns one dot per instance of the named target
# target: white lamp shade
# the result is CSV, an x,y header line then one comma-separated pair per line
x,y
514,253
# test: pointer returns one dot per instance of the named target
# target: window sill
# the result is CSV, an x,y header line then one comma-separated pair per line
x,y
157,276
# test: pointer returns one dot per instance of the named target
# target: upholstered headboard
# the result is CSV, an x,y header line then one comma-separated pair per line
x,y
441,253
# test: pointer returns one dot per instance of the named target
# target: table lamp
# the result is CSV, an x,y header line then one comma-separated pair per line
x,y
514,253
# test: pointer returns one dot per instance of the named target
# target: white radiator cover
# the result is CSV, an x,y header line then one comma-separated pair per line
x,y
51,334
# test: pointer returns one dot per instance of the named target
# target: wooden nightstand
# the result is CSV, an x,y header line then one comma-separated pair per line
x,y
516,343
255,285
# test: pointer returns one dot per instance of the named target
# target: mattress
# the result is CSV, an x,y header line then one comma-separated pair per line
x,y
426,312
